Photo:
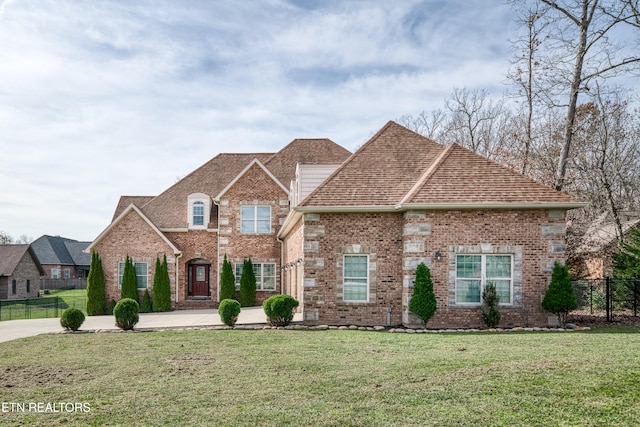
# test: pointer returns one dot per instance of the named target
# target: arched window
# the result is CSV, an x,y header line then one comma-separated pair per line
x,y
199,211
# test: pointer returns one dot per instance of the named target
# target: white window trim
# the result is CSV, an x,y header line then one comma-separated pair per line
x,y
363,301
55,273
255,219
259,284
483,279
134,265
203,198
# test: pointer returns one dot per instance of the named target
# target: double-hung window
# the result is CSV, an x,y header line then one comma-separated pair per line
x,y
355,283
474,272
55,273
265,276
198,213
256,219
141,274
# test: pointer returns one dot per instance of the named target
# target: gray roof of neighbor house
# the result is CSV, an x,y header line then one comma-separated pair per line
x,y
11,255
603,233
60,250
399,168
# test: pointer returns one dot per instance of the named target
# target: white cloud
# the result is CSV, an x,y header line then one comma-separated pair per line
x,y
117,97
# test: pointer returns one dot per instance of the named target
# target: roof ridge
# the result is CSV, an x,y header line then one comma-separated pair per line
x,y
346,162
428,173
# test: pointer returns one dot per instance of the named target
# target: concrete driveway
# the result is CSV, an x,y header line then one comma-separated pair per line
x,y
14,329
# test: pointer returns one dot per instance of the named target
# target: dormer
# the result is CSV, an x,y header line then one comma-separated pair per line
x,y
199,211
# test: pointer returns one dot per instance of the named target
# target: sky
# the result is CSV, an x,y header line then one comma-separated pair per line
x,y
110,98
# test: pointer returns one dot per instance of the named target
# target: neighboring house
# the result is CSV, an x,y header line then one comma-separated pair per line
x,y
232,205
592,259
20,272
352,245
344,233
62,258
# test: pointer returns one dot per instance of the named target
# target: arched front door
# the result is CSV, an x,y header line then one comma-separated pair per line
x,y
198,279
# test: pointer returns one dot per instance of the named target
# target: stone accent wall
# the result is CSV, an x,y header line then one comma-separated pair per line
x,y
293,269
254,188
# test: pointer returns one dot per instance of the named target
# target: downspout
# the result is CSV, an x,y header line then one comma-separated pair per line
x,y
217,203
281,264
177,273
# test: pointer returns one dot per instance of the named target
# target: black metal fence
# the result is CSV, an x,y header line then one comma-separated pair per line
x,y
611,299
62,284
39,308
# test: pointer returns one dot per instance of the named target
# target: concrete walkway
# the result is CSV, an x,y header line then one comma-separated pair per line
x,y
14,329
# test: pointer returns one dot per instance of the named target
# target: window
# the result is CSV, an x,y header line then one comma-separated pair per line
x,y
474,272
67,273
198,213
199,210
55,273
28,286
256,219
265,276
356,278
141,274
14,286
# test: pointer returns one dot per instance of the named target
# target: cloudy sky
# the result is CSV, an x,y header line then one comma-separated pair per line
x,y
110,98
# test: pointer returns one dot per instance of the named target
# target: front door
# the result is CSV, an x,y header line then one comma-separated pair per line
x,y
199,280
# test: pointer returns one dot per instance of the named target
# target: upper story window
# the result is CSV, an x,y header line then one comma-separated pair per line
x,y
474,272
198,213
256,219
199,210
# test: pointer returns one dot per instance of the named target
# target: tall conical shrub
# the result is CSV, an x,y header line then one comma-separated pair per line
x,y
96,294
490,300
423,302
129,287
559,298
247,285
227,281
161,286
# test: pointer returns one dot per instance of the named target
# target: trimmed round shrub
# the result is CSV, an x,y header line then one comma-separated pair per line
x,y
126,313
279,309
228,311
72,319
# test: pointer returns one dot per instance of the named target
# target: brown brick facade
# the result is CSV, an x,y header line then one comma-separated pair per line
x,y
397,242
25,271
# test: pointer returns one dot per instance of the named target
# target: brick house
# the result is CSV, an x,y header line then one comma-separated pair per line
x,y
352,245
20,272
232,205
62,258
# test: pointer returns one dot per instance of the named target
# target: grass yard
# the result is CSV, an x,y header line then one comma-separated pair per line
x,y
327,378
43,307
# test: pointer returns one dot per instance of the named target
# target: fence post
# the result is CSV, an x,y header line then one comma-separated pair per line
x,y
55,312
608,298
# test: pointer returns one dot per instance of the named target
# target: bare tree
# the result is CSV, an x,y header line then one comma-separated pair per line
x,y
5,239
524,75
584,45
474,121
430,124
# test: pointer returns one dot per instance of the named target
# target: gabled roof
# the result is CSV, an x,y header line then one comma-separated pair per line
x,y
304,150
400,169
11,255
601,234
380,173
125,201
169,209
59,250
135,209
249,166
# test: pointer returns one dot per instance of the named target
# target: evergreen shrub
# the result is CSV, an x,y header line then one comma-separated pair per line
x,y
72,319
126,313
229,309
279,309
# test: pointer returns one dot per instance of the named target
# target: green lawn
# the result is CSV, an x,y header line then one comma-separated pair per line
x,y
327,378
44,306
